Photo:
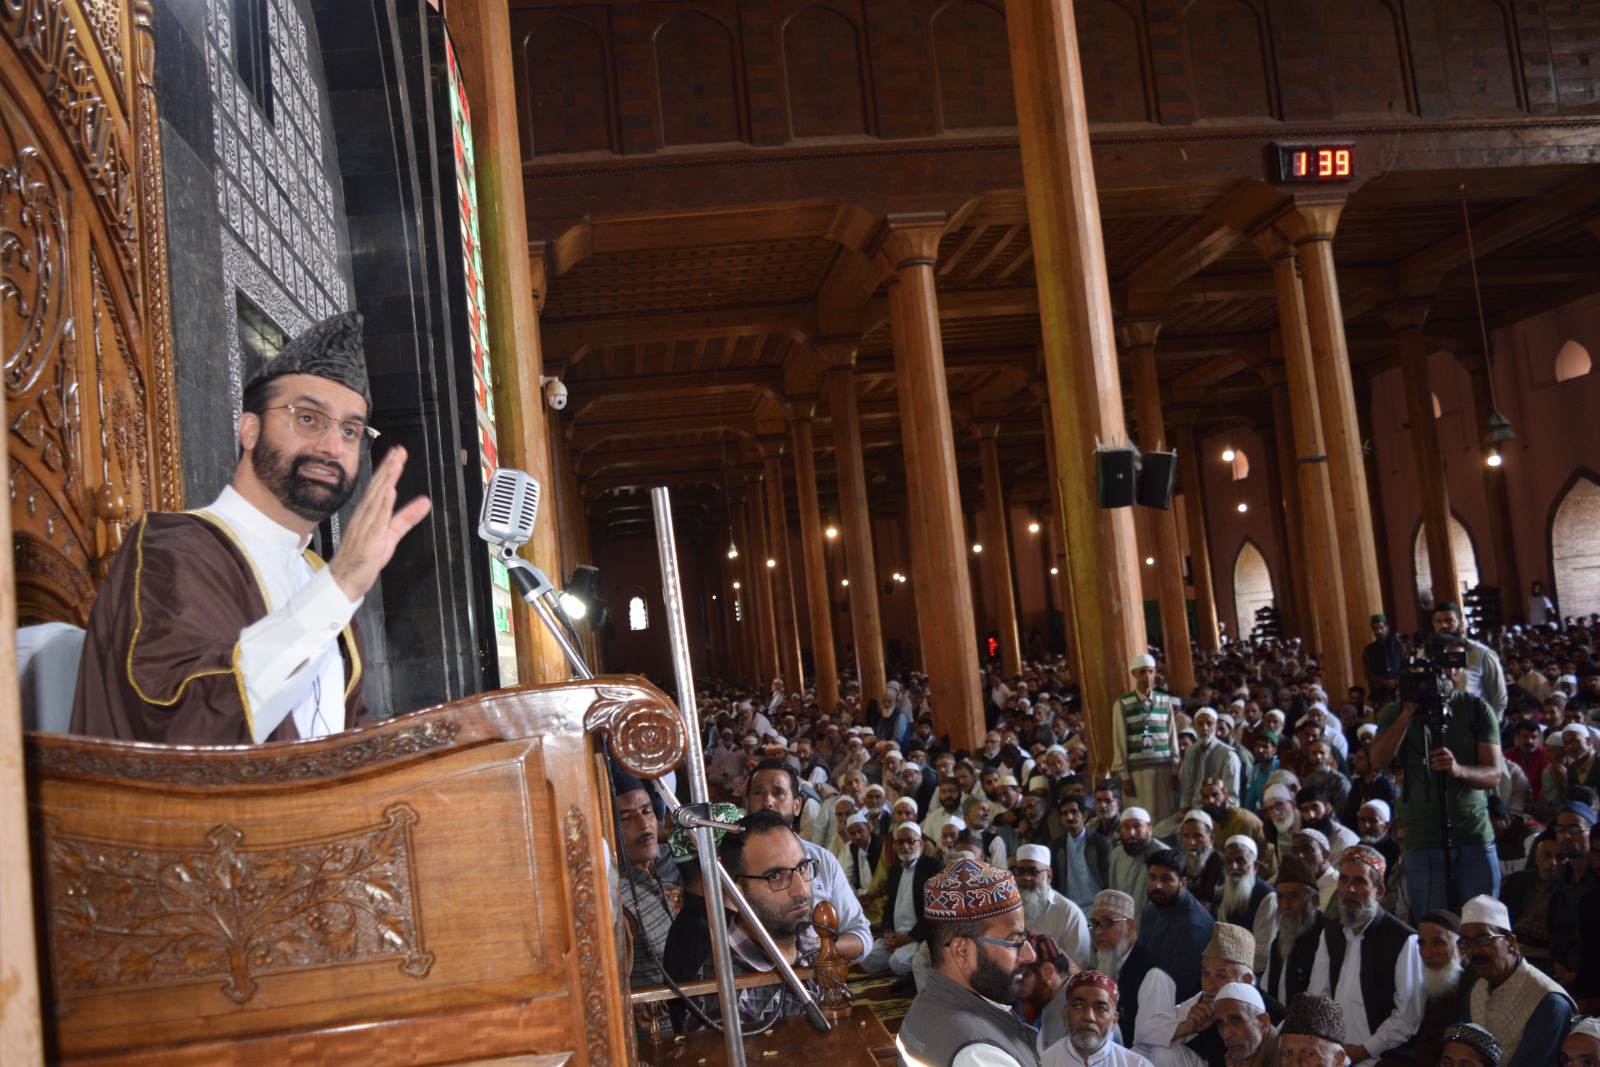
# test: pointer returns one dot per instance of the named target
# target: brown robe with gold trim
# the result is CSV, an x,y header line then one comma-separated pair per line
x,y
160,661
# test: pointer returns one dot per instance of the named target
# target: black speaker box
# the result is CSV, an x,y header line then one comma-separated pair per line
x,y
1155,480
1116,477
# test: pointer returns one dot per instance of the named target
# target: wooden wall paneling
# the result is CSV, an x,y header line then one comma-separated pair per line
x,y
826,80
1117,86
636,104
1230,59
699,86
1482,72
905,96
1425,50
972,61
88,356
1169,62
565,82
1302,75
1537,70
1368,66
1574,52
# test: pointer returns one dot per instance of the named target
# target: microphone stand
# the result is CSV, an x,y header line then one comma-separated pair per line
x,y
537,590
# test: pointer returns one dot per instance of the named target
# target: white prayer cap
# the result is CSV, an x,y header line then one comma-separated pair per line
x,y
958,822
1273,713
1035,853
1366,730
1316,835
1277,791
1381,807
854,731
1201,817
1577,729
1486,910
1135,814
1589,1027
1005,780
1038,782
1209,712
1143,660
856,818
1244,994
908,826
874,787
1243,841
779,739
1228,719
1055,748
906,802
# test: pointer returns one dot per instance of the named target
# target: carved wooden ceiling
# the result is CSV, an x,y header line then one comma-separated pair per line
x,y
689,286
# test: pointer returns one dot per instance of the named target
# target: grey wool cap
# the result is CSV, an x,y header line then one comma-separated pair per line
x,y
330,349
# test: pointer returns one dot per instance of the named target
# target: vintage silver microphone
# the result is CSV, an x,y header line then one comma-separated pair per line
x,y
510,506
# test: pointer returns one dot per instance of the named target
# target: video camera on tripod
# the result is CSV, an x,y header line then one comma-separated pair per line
x,y
1426,678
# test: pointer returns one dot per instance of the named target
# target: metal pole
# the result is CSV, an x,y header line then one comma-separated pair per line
x,y
711,872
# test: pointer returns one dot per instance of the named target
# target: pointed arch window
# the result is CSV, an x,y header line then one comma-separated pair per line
x,y
638,614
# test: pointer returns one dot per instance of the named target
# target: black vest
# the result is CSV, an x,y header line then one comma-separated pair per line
x,y
1301,957
1140,962
1246,916
1381,944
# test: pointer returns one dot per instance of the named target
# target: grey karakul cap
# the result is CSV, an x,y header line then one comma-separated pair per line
x,y
1315,1016
330,349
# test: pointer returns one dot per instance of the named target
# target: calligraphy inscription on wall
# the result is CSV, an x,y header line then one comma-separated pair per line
x,y
124,917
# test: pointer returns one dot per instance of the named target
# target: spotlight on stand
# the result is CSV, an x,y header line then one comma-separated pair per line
x,y
580,597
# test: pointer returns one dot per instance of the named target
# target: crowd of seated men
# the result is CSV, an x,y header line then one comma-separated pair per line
x,y
1280,863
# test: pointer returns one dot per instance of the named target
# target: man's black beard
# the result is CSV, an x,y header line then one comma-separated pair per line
x,y
1216,811
1136,850
781,926
311,500
994,981
1323,826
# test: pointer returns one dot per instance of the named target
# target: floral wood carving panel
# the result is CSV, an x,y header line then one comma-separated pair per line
x,y
84,308
228,914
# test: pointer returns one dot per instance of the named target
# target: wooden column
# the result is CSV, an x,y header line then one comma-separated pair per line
x,y
782,576
21,1037
1380,525
1140,345
1080,355
752,560
1319,529
1284,479
910,542
1311,227
514,289
997,547
1513,598
1283,592
1059,582
819,598
742,638
1406,320
944,588
1194,513
866,624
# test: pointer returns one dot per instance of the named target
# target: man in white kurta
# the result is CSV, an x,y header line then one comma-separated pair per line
x,y
1090,1014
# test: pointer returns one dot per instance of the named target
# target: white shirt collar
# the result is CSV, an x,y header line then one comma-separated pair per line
x,y
250,521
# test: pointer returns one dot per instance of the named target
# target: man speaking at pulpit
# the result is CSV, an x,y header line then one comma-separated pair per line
x,y
219,626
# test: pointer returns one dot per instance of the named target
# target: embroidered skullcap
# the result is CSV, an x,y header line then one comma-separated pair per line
x,y
1448,920
1277,791
1486,910
957,821
1115,901
1581,810
1295,871
908,802
330,349
906,826
1244,841
1037,853
1316,835
1145,660
969,889
1200,817
1381,807
1208,712
1136,814
1365,854
681,841
1094,978
1244,993
1232,943
1477,1039
1314,1016
1366,730
1046,949
858,817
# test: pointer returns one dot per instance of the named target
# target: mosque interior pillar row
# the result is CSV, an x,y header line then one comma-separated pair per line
x,y
819,598
998,548
716,628
1406,320
1140,338
1194,513
911,551
782,576
945,621
742,666
1282,484
1079,351
1310,226
752,559
1379,523
1284,596
514,290
866,623
1056,557
1513,597
1324,584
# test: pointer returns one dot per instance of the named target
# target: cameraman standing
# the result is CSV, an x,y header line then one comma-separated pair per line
x,y
1484,677
1459,743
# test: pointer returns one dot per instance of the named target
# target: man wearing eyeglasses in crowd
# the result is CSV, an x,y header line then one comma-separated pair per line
x,y
903,927
776,875
1521,1005
219,627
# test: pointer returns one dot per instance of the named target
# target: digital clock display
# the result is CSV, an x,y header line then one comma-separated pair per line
x,y
1316,162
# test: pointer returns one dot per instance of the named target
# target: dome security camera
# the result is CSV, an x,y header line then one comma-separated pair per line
x,y
555,394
